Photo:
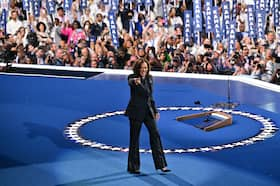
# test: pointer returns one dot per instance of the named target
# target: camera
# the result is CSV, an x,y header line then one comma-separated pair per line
x,y
207,46
255,62
208,54
236,55
32,39
232,61
277,74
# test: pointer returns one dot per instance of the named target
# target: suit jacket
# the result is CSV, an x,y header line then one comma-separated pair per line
x,y
141,100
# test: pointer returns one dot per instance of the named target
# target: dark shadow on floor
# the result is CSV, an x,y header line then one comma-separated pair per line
x,y
111,178
6,162
53,134
176,180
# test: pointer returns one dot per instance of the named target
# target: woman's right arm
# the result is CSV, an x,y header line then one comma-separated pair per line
x,y
134,81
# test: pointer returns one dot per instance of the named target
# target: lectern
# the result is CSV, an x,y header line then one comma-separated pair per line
x,y
207,121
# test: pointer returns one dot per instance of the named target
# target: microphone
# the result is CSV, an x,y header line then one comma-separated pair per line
x,y
207,119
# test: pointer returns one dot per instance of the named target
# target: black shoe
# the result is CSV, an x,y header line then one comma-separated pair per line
x,y
134,171
165,169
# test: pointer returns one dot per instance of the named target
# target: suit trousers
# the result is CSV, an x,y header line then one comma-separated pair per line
x,y
155,143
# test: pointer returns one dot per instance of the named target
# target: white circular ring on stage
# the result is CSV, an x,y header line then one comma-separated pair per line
x,y
267,131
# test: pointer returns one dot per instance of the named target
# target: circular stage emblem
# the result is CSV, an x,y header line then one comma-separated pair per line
x,y
268,130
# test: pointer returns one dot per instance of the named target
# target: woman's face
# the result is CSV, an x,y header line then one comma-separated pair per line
x,y
162,56
75,25
43,12
42,28
143,70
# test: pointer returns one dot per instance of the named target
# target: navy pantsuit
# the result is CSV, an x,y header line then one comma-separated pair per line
x,y
141,109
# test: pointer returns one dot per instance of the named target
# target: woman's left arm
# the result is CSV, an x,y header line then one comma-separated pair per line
x,y
153,104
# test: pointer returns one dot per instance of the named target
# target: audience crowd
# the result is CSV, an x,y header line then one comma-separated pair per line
x,y
81,38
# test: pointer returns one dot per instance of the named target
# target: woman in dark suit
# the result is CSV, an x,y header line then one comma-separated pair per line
x,y
141,109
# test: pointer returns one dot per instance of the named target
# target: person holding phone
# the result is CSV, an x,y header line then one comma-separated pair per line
x,y
141,109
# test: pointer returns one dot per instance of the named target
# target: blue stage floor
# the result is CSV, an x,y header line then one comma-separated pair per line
x,y
37,113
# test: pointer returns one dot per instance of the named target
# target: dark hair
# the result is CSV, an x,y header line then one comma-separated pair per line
x,y
87,21
32,39
176,59
78,23
41,23
60,8
137,66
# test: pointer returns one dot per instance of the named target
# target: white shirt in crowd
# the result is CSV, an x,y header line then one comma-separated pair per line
x,y
13,26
